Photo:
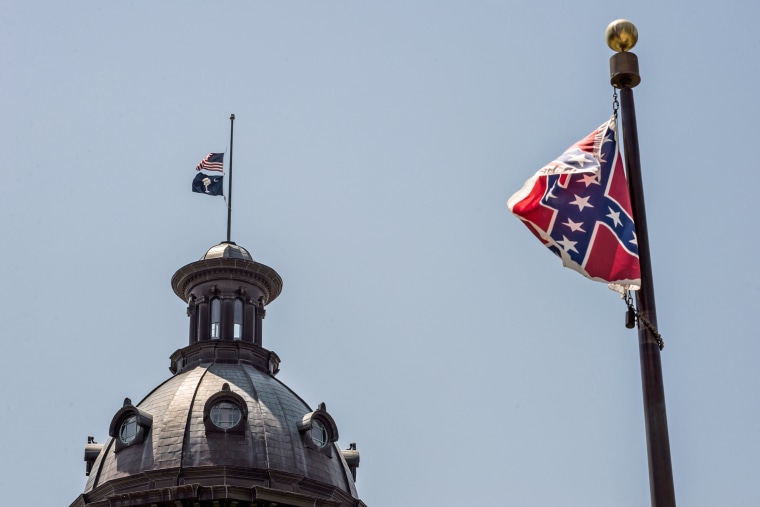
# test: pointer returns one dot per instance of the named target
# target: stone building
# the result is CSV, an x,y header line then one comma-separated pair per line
x,y
222,431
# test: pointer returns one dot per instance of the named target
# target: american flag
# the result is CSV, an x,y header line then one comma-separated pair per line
x,y
578,206
212,162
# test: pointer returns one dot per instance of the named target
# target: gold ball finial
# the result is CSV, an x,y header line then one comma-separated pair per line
x,y
621,35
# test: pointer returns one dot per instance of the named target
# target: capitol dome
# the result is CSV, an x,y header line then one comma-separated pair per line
x,y
223,430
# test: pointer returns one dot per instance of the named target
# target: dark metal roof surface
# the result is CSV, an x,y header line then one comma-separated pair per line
x,y
178,440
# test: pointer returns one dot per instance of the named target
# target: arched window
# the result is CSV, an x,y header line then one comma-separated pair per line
x,y
216,318
237,330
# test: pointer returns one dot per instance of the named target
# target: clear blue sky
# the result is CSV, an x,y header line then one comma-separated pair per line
x,y
376,144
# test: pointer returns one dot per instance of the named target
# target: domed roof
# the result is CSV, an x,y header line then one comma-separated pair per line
x,y
269,449
228,250
223,430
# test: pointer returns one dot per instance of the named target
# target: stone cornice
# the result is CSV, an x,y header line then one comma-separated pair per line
x,y
222,351
210,270
300,492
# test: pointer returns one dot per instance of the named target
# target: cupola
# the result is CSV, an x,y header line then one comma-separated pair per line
x,y
226,292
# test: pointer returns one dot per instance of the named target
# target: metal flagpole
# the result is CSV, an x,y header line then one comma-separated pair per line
x,y
624,75
229,182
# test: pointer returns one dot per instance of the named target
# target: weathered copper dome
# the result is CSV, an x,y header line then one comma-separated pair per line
x,y
179,449
223,430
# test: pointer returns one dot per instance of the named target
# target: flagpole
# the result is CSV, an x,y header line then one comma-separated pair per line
x,y
624,75
229,183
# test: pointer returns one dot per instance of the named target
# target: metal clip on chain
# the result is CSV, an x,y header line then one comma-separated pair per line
x,y
632,316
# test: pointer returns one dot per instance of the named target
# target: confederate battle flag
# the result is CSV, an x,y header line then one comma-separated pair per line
x,y
578,206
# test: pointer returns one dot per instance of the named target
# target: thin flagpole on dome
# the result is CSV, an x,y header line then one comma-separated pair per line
x,y
229,184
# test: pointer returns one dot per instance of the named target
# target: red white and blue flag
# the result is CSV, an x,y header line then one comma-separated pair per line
x,y
212,162
578,206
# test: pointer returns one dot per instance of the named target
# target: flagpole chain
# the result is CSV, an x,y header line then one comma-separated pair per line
x,y
615,103
640,319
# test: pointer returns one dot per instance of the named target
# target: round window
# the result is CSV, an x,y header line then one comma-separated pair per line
x,y
225,415
318,433
128,429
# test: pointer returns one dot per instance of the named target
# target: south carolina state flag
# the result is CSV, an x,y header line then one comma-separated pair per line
x,y
578,206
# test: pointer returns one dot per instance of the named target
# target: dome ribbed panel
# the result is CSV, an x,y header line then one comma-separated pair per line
x,y
279,411
169,448
153,452
219,449
282,410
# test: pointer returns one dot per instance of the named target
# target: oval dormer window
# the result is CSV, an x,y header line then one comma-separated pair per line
x,y
128,429
225,415
319,434
318,430
225,412
129,426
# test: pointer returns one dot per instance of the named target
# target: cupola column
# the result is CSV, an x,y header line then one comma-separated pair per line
x,y
260,314
228,321
192,313
249,318
202,320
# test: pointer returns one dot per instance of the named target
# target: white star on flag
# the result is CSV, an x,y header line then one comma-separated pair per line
x,y
580,159
615,216
567,245
581,202
589,179
574,226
